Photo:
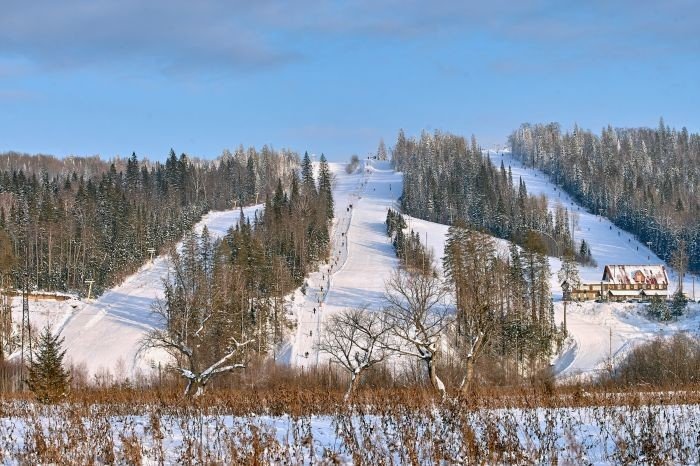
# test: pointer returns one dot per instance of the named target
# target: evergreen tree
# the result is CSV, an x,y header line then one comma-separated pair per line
x,y
658,309
47,377
569,271
132,171
325,186
381,150
250,181
307,176
678,304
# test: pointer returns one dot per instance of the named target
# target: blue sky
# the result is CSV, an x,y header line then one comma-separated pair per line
x,y
110,77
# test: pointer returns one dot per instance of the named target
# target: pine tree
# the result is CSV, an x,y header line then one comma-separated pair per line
x,y
307,176
250,181
47,377
325,186
658,309
569,272
132,171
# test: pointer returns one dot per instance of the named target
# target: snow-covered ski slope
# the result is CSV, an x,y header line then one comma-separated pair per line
x,y
598,331
601,333
362,257
609,244
106,333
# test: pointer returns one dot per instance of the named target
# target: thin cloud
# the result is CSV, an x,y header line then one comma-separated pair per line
x,y
182,36
169,35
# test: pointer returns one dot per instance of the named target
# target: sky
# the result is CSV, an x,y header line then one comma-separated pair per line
x,y
108,77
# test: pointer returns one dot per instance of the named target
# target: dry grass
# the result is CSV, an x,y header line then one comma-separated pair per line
x,y
276,415
525,425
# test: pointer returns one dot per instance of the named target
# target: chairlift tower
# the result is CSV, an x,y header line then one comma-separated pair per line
x,y
26,330
151,251
89,284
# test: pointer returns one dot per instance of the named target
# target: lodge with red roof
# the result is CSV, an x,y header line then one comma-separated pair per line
x,y
621,283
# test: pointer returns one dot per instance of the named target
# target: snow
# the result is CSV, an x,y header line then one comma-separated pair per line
x,y
362,256
106,333
646,433
367,259
44,312
602,334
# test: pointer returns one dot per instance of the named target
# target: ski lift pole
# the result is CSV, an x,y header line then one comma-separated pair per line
x,y
89,283
151,251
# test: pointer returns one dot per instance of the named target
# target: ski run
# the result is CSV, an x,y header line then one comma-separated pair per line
x,y
105,334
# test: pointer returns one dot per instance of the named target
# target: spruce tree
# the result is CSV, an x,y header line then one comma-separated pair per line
x,y
47,377
569,271
325,187
307,176
381,150
678,304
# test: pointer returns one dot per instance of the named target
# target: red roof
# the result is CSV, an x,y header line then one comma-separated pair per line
x,y
631,274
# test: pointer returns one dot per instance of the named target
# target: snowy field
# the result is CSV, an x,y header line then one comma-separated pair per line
x,y
442,434
105,334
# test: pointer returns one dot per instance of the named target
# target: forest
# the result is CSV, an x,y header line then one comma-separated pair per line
x,y
645,180
225,299
64,221
447,179
503,316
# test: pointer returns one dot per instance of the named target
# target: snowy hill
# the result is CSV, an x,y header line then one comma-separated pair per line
x,y
600,331
361,260
365,258
105,334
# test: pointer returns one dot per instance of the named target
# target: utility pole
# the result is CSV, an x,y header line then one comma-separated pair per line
x,y
565,331
610,350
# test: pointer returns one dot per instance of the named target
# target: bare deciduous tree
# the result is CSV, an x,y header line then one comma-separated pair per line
x,y
357,340
418,316
190,334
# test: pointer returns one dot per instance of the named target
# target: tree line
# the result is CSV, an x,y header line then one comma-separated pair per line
x,y
644,180
63,221
448,180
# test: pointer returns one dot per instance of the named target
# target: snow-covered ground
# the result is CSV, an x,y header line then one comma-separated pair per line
x,y
657,433
362,256
363,259
106,333
44,312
